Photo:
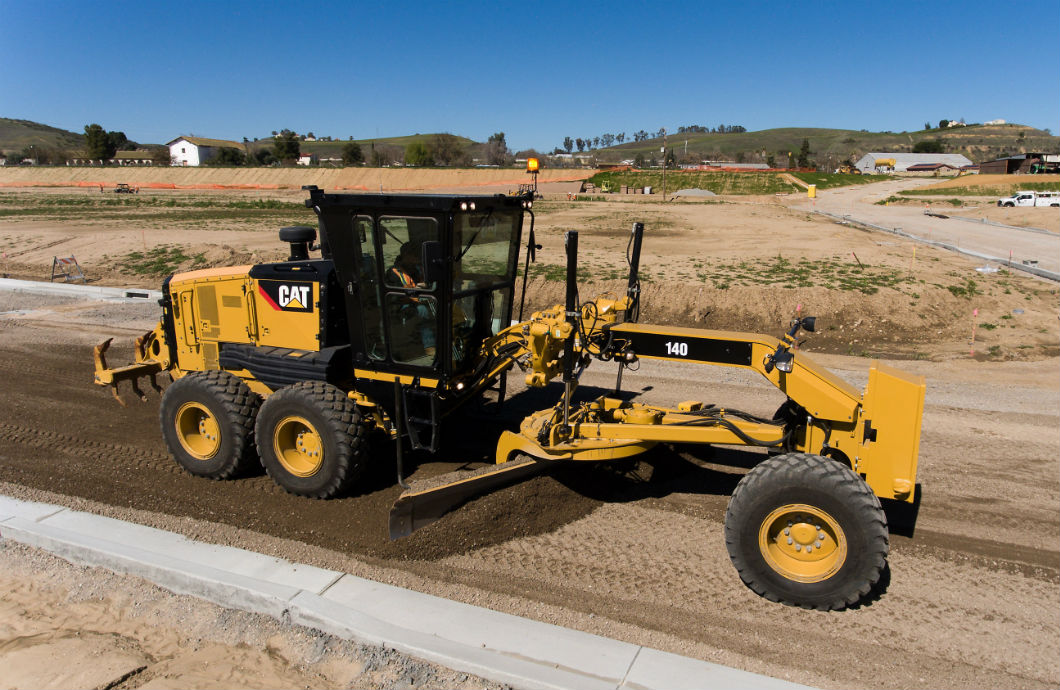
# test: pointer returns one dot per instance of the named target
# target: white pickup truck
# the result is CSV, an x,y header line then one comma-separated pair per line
x,y
1031,199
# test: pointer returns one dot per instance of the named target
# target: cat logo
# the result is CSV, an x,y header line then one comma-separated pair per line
x,y
284,296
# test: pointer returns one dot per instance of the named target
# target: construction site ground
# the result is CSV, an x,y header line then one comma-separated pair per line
x,y
634,552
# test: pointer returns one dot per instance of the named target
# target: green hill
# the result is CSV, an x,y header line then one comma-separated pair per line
x,y
20,135
830,147
393,147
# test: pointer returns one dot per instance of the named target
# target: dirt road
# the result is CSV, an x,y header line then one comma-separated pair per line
x,y
991,240
970,601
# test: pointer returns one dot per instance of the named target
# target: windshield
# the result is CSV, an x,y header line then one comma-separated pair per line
x,y
485,246
485,250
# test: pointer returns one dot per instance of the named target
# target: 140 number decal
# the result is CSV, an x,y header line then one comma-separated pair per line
x,y
676,348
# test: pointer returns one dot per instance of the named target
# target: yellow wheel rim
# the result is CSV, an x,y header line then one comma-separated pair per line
x,y
802,543
298,446
198,431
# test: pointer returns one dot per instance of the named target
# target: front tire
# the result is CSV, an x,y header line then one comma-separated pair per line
x,y
311,439
806,531
207,420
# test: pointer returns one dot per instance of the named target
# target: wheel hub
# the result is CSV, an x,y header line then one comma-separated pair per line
x,y
198,431
298,446
802,543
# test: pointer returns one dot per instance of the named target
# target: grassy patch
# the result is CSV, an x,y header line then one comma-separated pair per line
x,y
830,180
804,273
160,261
966,289
715,181
991,190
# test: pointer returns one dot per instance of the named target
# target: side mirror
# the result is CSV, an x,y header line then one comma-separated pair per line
x,y
433,260
808,323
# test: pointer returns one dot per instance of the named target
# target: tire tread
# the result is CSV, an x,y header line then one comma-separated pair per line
x,y
792,469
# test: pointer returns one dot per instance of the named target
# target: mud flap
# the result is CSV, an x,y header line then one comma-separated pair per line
x,y
426,502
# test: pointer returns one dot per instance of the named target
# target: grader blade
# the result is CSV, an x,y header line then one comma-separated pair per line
x,y
427,501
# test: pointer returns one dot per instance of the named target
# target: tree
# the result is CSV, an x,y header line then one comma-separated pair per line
x,y
377,158
120,142
804,154
620,137
771,160
927,125
638,160
417,155
929,146
671,160
943,124
352,154
227,156
98,146
568,144
607,140
580,143
446,149
286,147
264,156
162,156
497,150
596,142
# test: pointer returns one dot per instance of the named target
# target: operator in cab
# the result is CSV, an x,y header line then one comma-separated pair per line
x,y
407,272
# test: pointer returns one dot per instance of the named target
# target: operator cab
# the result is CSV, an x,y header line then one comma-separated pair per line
x,y
425,278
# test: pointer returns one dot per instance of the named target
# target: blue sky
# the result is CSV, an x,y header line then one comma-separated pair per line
x,y
538,71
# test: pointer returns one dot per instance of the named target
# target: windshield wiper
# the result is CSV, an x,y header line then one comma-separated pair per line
x,y
472,240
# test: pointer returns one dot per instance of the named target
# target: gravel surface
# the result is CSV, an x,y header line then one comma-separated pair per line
x,y
634,553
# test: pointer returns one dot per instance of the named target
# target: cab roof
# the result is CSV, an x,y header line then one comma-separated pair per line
x,y
414,202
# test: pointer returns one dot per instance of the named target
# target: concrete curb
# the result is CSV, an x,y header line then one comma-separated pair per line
x,y
497,646
90,292
984,221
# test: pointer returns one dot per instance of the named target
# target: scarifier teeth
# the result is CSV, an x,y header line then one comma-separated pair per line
x,y
117,396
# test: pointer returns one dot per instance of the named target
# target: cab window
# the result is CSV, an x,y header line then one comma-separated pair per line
x,y
410,307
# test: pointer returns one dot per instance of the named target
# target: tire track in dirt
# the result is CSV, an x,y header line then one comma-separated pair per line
x,y
636,555
645,568
77,447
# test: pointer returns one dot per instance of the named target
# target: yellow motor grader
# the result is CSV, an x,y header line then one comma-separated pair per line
x,y
407,315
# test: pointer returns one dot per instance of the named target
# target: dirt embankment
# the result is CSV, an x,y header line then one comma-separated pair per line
x,y
362,179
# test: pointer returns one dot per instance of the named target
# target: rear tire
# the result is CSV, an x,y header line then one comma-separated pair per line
x,y
806,531
311,439
207,420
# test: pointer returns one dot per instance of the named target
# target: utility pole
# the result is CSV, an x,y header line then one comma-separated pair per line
x,y
664,162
